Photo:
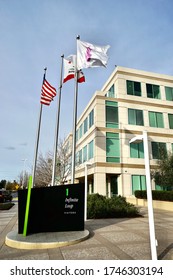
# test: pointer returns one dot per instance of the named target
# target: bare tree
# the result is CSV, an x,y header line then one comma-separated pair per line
x,y
63,162
43,176
23,178
43,172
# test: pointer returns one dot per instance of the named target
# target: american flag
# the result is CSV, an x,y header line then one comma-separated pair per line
x,y
47,93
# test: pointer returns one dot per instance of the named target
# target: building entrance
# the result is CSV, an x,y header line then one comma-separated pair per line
x,y
111,185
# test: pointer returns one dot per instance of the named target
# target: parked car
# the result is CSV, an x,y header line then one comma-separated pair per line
x,y
5,196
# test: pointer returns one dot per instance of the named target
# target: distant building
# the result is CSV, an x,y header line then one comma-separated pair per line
x,y
130,102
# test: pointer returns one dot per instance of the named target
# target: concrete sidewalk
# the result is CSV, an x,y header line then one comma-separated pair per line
x,y
110,239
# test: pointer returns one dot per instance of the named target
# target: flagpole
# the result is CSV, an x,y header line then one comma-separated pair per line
x,y
37,137
57,126
74,122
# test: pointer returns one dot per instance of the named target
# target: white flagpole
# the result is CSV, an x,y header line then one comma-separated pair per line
x,y
57,126
37,137
74,122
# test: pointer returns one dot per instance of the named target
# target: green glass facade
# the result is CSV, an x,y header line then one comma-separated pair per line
x,y
138,183
112,147
111,114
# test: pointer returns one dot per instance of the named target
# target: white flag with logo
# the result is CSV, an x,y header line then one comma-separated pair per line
x,y
89,55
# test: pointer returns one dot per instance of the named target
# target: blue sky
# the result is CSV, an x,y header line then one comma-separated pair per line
x,y
35,33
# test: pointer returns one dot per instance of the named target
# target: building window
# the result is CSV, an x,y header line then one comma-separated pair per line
x,y
85,153
112,147
137,150
111,92
80,131
85,127
153,91
158,150
169,93
135,117
91,150
111,114
80,156
156,119
91,118
138,183
170,118
133,88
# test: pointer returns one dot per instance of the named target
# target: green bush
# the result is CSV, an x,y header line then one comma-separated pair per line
x,y
156,195
99,206
6,206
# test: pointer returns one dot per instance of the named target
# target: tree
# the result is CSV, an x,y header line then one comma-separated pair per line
x,y
163,175
23,179
43,174
11,186
2,184
63,162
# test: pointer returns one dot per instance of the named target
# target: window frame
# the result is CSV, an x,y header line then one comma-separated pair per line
x,y
133,85
135,120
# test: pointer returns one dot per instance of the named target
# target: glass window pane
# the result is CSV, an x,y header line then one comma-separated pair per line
x,y
137,88
149,91
111,92
91,118
80,156
152,119
80,131
155,150
112,147
137,150
170,117
134,150
141,149
135,183
129,87
169,93
156,91
143,182
91,149
111,116
162,150
85,125
85,154
139,117
159,117
131,116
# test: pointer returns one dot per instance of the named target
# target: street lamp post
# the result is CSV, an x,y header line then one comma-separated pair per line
x,y
153,241
86,189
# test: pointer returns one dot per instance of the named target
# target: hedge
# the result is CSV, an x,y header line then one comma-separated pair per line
x,y
99,206
156,195
6,205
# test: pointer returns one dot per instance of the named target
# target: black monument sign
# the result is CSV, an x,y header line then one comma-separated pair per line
x,y
57,208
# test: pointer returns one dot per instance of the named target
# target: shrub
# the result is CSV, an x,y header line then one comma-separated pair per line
x,y
100,206
6,206
156,195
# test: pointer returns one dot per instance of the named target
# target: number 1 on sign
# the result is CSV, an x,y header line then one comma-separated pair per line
x,y
67,192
